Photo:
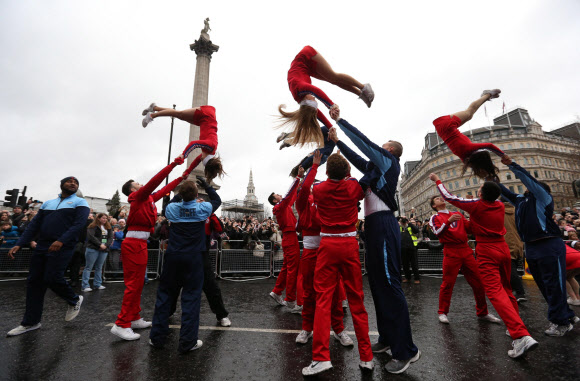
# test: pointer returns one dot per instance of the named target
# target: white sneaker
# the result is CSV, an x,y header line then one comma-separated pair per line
x,y
316,367
278,298
303,337
522,345
558,330
197,345
101,288
490,318
370,365
140,324
148,119
124,333
494,93
367,94
151,108
281,137
344,338
574,302
88,289
73,311
443,319
296,310
225,322
284,145
22,329
290,305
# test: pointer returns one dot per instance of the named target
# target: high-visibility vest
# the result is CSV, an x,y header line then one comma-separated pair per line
x,y
411,234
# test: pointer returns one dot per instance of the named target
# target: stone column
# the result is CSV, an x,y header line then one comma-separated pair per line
x,y
203,48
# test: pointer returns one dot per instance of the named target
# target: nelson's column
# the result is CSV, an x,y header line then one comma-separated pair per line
x,y
203,48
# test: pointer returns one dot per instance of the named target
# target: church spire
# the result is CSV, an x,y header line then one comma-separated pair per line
x,y
251,194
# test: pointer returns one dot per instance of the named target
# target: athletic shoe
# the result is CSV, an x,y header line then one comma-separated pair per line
x,y
507,332
367,94
379,348
225,322
151,108
73,311
344,339
316,367
575,320
148,119
521,298
153,345
88,289
345,304
22,329
290,304
443,319
101,288
369,365
558,330
399,366
284,145
197,345
140,324
574,302
303,337
278,298
494,93
296,310
490,318
124,333
522,345
282,136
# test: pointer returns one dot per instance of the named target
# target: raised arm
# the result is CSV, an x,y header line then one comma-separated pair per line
x,y
166,189
290,197
529,181
304,193
214,198
148,188
511,196
380,157
462,203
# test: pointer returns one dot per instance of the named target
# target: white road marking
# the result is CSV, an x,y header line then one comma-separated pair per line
x,y
260,330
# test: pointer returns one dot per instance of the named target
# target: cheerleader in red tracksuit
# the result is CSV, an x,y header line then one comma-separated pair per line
x,y
493,258
338,255
451,230
309,63
474,155
309,224
204,117
573,269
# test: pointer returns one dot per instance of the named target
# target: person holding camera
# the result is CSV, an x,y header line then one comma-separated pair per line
x,y
409,243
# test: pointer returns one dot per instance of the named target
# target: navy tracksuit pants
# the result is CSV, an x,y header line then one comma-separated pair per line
x,y
326,151
180,272
547,262
383,263
47,271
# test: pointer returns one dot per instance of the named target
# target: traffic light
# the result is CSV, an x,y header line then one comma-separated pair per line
x,y
11,198
23,199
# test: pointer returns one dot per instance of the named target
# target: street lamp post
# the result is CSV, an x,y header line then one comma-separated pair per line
x,y
170,141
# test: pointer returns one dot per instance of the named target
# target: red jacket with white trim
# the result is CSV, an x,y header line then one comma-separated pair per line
x,y
453,233
283,209
337,204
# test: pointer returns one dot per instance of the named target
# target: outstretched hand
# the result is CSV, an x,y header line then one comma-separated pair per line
x,y
317,157
13,251
433,177
505,159
333,134
201,182
335,112
178,160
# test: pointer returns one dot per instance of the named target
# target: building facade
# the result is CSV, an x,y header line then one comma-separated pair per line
x,y
249,206
552,157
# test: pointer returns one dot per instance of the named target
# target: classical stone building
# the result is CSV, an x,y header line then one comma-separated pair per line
x,y
552,157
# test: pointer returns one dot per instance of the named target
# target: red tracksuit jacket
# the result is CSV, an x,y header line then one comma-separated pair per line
x,y
337,204
308,221
283,209
451,233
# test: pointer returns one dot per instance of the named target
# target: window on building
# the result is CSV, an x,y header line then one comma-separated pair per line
x,y
546,174
528,145
520,189
502,147
467,182
512,188
508,176
445,160
454,173
533,160
510,146
448,174
475,180
457,184
521,145
536,174
526,160
450,185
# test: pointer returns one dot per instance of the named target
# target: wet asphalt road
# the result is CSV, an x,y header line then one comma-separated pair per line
x,y
83,349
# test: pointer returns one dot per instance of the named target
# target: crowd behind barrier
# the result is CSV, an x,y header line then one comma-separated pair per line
x,y
228,264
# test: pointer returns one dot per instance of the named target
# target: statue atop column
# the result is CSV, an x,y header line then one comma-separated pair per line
x,y
206,27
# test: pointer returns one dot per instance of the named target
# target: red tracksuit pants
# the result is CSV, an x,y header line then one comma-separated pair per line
x,y
307,267
456,258
494,262
134,257
288,277
339,256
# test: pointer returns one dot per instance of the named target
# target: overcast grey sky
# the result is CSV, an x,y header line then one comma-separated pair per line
x,y
76,74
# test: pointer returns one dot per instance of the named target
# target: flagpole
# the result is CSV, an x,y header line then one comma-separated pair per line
x,y
487,116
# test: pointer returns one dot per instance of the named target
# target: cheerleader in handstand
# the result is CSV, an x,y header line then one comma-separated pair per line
x,y
309,63
204,117
474,155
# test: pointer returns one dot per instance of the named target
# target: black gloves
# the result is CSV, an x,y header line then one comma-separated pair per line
x,y
202,183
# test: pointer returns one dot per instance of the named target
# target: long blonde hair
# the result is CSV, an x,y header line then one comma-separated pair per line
x,y
306,130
